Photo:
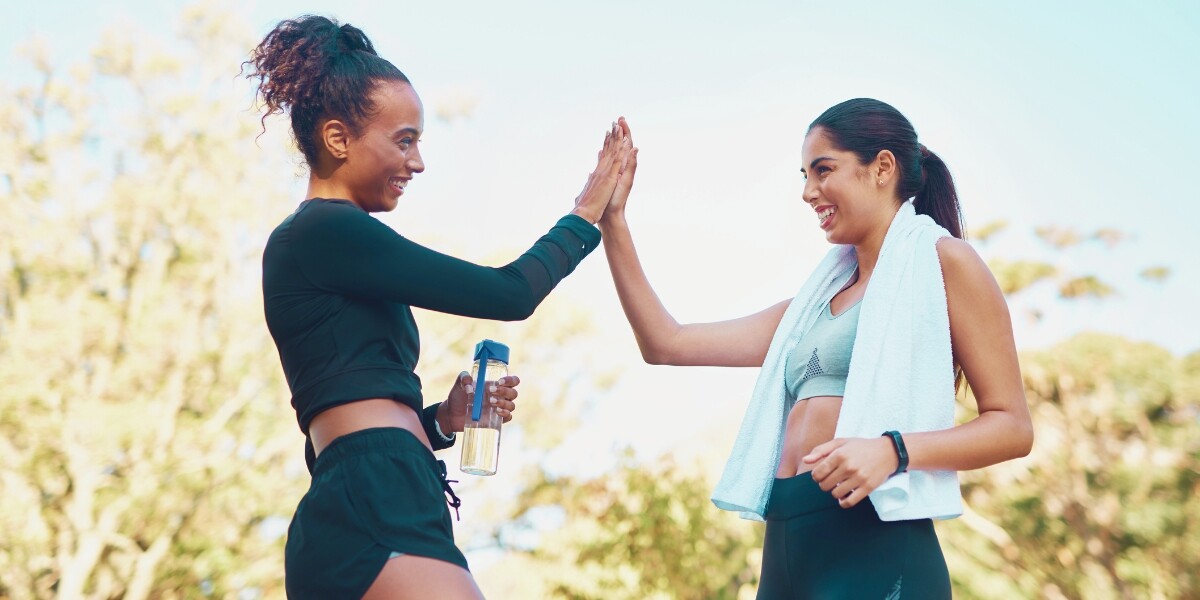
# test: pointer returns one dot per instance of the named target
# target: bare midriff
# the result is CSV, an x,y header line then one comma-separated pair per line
x,y
811,423
340,420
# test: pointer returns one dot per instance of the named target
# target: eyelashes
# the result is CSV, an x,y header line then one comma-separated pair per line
x,y
821,170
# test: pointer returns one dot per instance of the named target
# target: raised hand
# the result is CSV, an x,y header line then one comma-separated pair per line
x,y
598,190
616,206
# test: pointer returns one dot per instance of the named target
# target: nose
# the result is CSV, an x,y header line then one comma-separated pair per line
x,y
414,162
811,193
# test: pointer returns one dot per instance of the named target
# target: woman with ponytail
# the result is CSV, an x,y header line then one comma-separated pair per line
x,y
849,448
338,287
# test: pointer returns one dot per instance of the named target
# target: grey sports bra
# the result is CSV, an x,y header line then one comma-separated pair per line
x,y
820,361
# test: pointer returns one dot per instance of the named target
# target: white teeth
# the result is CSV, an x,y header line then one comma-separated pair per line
x,y
821,216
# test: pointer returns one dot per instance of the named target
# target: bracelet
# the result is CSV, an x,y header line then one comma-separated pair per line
x,y
438,428
901,451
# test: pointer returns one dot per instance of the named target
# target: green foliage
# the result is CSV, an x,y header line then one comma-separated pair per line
x,y
1087,286
646,532
142,417
987,231
1156,274
1014,276
1106,506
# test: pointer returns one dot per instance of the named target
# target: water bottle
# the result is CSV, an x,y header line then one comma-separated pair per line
x,y
481,432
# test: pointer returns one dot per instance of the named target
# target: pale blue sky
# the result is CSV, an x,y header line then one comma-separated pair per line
x,y
1079,114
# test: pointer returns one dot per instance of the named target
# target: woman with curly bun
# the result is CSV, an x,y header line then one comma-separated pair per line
x,y
338,286
849,448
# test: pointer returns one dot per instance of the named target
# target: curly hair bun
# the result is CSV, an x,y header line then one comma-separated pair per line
x,y
313,67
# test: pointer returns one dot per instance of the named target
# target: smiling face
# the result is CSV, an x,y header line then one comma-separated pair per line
x,y
847,195
384,157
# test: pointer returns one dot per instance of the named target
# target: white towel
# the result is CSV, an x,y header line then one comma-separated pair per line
x,y
901,374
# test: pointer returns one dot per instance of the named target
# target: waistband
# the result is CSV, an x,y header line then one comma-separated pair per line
x,y
385,440
376,440
795,496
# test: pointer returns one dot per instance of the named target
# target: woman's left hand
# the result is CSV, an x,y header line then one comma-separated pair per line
x,y
849,469
502,394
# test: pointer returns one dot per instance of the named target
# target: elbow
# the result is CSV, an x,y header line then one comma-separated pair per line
x,y
1025,440
659,348
519,313
652,356
657,354
520,307
1022,438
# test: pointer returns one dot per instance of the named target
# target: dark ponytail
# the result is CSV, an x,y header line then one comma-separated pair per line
x,y
937,197
315,69
866,126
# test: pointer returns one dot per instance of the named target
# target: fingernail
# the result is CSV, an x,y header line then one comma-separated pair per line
x,y
492,388
493,399
470,389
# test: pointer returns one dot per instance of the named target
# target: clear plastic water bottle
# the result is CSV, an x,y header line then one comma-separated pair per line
x,y
481,432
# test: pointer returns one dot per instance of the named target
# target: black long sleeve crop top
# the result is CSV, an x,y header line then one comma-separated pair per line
x,y
337,290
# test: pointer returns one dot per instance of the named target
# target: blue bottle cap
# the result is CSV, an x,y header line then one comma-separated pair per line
x,y
485,351
495,351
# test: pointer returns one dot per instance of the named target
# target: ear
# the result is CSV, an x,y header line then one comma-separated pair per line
x,y
884,167
335,137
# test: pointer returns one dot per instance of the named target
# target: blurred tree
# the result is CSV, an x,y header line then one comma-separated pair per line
x,y
149,447
1108,503
143,420
644,531
1017,275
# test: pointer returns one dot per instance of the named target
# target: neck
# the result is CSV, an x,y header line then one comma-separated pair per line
x,y
319,187
867,250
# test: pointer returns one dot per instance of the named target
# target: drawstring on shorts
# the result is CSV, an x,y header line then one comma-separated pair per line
x,y
453,500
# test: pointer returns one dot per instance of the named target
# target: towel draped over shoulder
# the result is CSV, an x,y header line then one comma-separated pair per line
x,y
901,374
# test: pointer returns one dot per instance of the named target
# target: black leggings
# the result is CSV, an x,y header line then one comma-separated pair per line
x,y
816,549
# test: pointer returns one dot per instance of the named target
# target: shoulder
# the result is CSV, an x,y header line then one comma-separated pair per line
x,y
316,209
332,217
963,270
957,254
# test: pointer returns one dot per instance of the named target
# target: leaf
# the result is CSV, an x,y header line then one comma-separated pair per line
x,y
1110,237
1158,274
1014,276
1087,286
1059,237
985,232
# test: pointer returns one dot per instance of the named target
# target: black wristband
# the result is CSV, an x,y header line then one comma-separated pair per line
x,y
901,451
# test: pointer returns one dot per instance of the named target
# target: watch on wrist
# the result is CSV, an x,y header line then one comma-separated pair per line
x,y
901,451
438,428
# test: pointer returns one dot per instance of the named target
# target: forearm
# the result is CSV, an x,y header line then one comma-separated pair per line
x,y
992,437
653,327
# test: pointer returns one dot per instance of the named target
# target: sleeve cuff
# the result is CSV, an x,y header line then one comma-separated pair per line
x,y
588,234
429,423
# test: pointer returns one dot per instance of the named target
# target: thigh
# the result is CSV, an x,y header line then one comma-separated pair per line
x,y
417,577
774,582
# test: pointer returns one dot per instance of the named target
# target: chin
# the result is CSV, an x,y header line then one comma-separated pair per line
x,y
388,204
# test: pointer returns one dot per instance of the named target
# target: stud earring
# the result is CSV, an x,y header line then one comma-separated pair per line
x,y
880,182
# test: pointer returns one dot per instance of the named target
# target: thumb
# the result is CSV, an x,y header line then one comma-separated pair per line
x,y
465,383
823,450
629,167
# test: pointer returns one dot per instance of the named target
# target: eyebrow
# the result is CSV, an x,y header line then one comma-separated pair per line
x,y
411,130
815,161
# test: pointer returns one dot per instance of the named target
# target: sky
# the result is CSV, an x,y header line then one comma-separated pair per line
x,y
1067,114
